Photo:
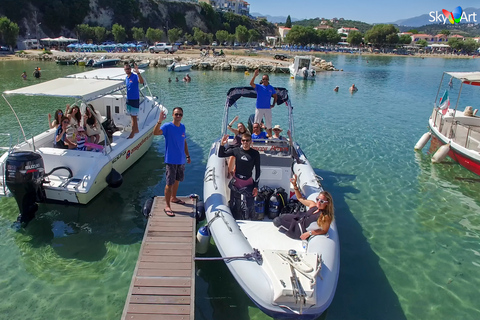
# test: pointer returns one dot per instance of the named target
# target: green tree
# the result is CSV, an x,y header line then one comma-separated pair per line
x,y
9,31
328,36
119,33
455,44
188,37
226,26
221,35
302,35
154,35
174,34
405,39
355,38
241,33
445,32
100,34
470,46
85,32
253,35
138,34
414,31
288,23
231,38
422,43
382,34
199,36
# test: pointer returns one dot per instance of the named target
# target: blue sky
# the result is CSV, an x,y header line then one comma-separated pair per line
x,y
370,11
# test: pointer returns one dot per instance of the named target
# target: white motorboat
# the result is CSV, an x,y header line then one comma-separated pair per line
x,y
302,68
33,170
457,131
103,62
177,67
282,278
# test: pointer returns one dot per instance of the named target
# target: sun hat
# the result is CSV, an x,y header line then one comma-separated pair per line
x,y
277,127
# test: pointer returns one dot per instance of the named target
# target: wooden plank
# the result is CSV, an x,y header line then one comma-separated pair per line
x,y
160,258
162,273
163,283
162,246
154,299
139,316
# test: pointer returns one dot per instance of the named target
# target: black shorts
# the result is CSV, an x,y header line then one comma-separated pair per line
x,y
174,172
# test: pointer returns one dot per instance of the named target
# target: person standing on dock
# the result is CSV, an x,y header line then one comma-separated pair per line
x,y
133,95
176,154
264,94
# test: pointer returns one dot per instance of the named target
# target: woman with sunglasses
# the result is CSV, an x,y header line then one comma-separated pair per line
x,y
316,221
237,141
61,140
58,118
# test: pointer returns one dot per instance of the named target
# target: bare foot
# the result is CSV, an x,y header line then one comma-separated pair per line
x,y
131,135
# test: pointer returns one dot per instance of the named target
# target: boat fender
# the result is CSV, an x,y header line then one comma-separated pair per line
x,y
203,240
114,179
423,141
200,212
147,207
441,153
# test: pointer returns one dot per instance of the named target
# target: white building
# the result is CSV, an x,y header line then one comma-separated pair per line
x,y
236,6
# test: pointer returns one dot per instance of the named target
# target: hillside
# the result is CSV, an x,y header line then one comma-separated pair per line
x,y
361,26
51,18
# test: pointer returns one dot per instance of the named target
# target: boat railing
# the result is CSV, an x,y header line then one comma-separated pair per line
x,y
467,136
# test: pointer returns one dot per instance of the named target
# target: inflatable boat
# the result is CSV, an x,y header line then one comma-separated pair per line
x,y
284,277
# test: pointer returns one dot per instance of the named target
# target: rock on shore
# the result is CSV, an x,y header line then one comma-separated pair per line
x,y
225,63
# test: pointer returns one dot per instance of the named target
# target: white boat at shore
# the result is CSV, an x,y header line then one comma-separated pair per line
x,y
178,67
457,131
74,176
302,68
282,278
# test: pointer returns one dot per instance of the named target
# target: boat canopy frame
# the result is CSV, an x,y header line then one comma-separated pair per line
x,y
234,94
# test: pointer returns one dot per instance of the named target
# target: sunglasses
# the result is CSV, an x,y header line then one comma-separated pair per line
x,y
178,114
67,122
246,140
321,201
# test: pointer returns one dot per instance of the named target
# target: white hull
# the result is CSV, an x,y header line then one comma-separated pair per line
x,y
179,67
263,282
90,169
302,68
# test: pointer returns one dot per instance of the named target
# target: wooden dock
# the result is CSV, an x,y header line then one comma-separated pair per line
x,y
163,283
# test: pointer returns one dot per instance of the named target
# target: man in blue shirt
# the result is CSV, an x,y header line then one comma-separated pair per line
x,y
133,95
176,154
264,94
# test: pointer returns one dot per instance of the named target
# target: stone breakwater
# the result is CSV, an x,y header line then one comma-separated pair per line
x,y
224,63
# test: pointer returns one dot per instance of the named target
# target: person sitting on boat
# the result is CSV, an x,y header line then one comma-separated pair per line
x,y
276,133
81,139
187,78
237,141
58,118
91,124
61,140
315,221
353,88
246,159
258,133
75,118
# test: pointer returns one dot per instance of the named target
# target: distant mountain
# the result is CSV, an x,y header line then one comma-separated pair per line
x,y
272,19
424,18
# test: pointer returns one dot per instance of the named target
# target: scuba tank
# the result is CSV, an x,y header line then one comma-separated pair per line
x,y
259,207
278,200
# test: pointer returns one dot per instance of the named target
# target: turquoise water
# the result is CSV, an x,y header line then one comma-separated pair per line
x,y
409,230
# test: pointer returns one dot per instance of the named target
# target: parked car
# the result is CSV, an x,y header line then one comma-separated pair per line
x,y
214,43
280,56
4,48
163,47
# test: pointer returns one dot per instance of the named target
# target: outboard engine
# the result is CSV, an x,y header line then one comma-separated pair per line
x,y
24,178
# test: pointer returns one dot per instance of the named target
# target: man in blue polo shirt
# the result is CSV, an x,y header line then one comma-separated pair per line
x,y
176,154
133,95
265,92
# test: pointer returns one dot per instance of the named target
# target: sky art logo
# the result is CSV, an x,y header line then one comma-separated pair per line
x,y
456,16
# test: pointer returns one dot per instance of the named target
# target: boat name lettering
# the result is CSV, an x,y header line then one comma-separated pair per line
x,y
271,148
119,156
141,142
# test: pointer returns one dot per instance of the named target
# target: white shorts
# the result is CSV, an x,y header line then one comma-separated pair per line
x,y
267,113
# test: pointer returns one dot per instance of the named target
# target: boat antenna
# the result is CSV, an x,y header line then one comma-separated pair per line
x,y
18,120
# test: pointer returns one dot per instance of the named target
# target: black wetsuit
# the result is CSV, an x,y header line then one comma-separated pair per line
x,y
245,161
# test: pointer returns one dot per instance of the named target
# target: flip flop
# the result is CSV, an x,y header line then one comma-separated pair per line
x,y
169,213
178,201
